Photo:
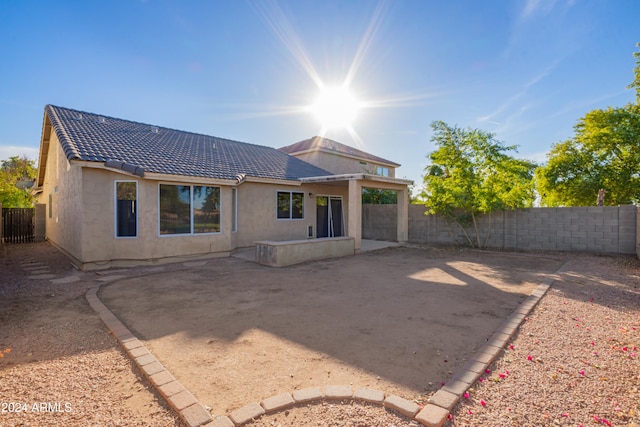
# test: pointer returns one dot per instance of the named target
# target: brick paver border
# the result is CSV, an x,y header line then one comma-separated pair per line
x,y
434,414
178,397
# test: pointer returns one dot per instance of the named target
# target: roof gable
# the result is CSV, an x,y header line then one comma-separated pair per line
x,y
318,143
96,138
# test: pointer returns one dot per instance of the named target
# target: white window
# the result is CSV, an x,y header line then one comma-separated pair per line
x,y
234,210
126,209
382,171
189,209
290,205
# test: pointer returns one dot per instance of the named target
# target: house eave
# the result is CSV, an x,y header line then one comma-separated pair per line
x,y
44,150
356,176
154,176
296,182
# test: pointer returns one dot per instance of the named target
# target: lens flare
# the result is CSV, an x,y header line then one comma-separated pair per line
x,y
335,107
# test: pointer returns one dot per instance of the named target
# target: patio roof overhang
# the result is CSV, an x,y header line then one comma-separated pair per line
x,y
356,182
345,178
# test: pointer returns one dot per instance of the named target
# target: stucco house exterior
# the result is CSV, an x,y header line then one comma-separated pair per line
x,y
118,192
338,158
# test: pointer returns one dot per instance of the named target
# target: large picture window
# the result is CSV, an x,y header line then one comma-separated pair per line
x,y
290,205
189,209
126,212
206,209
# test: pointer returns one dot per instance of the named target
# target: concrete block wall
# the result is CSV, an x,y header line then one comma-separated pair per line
x,y
381,222
638,232
608,229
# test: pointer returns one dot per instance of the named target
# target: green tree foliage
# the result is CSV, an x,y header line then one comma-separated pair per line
x,y
11,171
375,196
635,84
604,154
471,175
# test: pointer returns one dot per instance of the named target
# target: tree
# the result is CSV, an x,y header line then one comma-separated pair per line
x,y
635,84
602,158
604,154
375,196
471,175
11,171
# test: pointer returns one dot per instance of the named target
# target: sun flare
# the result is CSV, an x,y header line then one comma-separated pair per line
x,y
335,107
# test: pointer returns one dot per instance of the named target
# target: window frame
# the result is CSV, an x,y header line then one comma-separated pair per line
x,y
115,209
191,211
382,171
234,210
290,193
193,215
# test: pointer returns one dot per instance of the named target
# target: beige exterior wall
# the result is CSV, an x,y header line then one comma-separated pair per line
x,y
99,238
276,254
257,208
83,216
63,187
338,164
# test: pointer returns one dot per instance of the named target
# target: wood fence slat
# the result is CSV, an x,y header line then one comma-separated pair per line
x,y
18,225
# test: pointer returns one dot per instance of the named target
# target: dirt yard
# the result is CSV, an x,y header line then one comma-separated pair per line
x,y
399,320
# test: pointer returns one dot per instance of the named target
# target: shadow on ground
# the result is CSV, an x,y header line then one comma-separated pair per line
x,y
401,319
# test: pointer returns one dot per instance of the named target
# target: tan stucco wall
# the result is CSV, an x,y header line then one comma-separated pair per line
x,y
337,164
257,204
83,223
99,238
281,254
64,183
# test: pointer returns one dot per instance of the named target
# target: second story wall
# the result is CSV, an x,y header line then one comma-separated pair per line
x,y
341,164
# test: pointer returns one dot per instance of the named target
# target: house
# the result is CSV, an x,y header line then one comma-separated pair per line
x,y
338,158
118,192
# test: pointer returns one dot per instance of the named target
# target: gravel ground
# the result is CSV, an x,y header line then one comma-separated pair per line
x,y
575,360
58,364
573,363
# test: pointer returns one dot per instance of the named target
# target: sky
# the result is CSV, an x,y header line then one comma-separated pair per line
x,y
249,70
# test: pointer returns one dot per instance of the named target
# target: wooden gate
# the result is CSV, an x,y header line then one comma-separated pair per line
x,y
18,225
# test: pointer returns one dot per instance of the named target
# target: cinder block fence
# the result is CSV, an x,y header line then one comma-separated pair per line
x,y
608,229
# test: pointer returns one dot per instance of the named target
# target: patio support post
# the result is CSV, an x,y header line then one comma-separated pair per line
x,y
403,216
355,213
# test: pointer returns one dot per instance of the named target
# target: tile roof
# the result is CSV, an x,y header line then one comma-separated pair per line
x,y
325,144
97,138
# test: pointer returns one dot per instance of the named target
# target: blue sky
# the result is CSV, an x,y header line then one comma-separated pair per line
x,y
246,70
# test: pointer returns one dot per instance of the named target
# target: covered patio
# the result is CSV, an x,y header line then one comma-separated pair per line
x,y
355,183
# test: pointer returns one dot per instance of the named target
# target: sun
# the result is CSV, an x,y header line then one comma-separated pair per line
x,y
335,107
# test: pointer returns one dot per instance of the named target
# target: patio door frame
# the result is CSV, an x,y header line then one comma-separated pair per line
x,y
331,220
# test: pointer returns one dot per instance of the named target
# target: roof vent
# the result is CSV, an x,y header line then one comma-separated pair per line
x,y
102,119
79,116
154,129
